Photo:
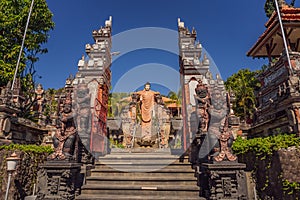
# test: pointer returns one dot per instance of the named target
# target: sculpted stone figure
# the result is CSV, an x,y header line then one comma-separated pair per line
x,y
218,112
203,103
83,107
163,116
64,138
220,131
39,91
129,121
147,99
225,141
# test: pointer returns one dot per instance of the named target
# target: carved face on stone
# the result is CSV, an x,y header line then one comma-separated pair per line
x,y
218,101
134,97
201,92
67,108
159,99
82,92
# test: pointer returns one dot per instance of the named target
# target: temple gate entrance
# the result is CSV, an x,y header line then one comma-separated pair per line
x,y
145,121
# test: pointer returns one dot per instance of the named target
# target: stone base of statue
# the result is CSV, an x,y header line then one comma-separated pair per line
x,y
59,180
223,180
195,155
150,141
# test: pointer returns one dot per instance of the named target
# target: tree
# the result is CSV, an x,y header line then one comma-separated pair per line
x,y
13,18
116,102
176,98
243,84
270,6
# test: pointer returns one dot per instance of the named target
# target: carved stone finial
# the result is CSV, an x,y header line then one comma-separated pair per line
x,y
69,80
194,32
205,60
108,22
180,23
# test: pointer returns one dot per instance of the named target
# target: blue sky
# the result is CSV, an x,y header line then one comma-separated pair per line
x,y
226,29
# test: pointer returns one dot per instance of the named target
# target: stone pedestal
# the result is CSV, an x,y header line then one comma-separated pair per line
x,y
225,180
59,180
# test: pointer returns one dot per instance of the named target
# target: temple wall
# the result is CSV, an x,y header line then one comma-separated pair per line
x,y
270,172
23,131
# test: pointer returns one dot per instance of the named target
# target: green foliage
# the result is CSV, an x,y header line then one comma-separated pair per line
x,y
243,84
116,102
263,150
176,98
13,18
291,187
270,7
31,156
115,144
32,148
51,106
265,146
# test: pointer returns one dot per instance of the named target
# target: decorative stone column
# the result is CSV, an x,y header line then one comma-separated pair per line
x,y
59,180
223,180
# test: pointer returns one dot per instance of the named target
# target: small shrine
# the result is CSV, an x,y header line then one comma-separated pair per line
x,y
278,99
14,128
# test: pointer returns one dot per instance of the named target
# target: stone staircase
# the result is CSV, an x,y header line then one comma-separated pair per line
x,y
141,175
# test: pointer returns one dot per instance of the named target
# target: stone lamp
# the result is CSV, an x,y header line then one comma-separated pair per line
x,y
11,162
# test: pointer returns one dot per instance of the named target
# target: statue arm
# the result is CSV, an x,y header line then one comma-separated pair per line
x,y
140,98
199,99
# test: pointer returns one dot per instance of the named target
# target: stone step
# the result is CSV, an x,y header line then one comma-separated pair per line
x,y
142,178
141,165
140,161
173,152
132,165
136,197
159,190
155,175
142,182
141,158
145,150
137,162
107,171
139,168
141,151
